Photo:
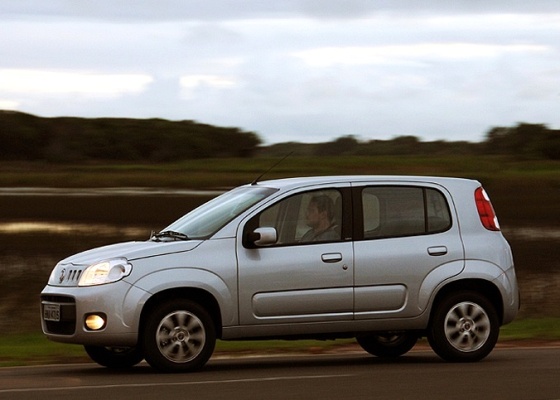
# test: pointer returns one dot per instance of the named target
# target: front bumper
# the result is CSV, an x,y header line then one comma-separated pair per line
x,y
120,302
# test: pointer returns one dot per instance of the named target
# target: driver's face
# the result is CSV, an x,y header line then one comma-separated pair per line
x,y
313,215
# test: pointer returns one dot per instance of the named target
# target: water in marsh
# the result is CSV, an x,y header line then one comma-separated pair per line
x,y
38,227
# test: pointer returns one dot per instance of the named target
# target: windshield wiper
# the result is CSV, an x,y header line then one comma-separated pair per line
x,y
170,234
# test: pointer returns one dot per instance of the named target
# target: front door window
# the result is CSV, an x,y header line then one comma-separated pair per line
x,y
305,218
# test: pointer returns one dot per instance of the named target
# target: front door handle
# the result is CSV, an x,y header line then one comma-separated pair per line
x,y
331,257
437,251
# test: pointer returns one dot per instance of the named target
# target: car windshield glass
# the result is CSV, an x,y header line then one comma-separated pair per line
x,y
206,220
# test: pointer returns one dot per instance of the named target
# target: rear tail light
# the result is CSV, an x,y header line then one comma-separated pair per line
x,y
485,210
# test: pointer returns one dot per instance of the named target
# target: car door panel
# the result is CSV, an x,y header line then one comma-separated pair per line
x,y
291,284
389,272
293,280
406,233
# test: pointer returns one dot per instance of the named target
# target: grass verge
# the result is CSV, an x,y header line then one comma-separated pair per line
x,y
542,329
229,172
35,349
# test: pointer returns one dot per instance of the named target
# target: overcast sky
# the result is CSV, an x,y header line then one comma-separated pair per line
x,y
294,70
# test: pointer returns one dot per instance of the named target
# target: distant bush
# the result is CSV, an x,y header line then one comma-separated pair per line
x,y
523,141
66,139
526,140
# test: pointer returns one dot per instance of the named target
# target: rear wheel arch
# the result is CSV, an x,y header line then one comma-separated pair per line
x,y
480,286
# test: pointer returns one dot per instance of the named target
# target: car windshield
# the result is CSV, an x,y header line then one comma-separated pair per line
x,y
206,220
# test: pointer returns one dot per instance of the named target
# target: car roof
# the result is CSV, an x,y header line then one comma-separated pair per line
x,y
288,183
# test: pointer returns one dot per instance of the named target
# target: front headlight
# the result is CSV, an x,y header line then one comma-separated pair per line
x,y
105,272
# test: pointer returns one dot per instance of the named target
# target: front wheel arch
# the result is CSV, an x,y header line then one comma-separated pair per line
x,y
178,336
196,295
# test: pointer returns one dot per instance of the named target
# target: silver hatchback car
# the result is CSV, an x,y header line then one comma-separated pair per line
x,y
384,259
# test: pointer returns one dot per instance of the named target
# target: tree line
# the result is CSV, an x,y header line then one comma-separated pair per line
x,y
69,139
524,140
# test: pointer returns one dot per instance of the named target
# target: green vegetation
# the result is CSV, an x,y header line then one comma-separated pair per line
x,y
532,329
34,348
228,172
66,139
70,140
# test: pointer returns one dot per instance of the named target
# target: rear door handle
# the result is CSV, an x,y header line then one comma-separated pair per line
x,y
331,257
437,251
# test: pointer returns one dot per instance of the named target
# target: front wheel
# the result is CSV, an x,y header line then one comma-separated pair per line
x,y
464,327
388,344
179,336
115,357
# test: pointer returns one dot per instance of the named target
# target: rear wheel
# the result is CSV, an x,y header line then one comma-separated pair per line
x,y
464,327
115,357
179,336
388,344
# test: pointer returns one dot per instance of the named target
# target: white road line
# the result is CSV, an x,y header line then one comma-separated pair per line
x,y
140,385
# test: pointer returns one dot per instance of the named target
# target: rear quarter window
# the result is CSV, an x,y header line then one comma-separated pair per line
x,y
394,211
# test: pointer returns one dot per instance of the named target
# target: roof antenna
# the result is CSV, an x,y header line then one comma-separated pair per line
x,y
268,170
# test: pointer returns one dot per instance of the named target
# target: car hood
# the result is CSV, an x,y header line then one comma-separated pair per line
x,y
130,251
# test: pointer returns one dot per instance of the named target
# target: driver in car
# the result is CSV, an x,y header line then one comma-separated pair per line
x,y
320,218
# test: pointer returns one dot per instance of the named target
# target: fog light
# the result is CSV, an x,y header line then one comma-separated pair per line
x,y
95,322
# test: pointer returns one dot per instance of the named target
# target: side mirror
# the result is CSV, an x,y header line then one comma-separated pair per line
x,y
264,236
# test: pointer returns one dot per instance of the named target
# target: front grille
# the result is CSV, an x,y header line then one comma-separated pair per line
x,y
72,276
66,275
57,299
67,323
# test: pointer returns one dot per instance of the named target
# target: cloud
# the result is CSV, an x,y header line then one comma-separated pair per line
x,y
40,82
220,10
412,54
300,69
190,83
9,105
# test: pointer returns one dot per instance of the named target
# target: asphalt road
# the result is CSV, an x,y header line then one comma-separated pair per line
x,y
517,373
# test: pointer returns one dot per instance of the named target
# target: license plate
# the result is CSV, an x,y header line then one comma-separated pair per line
x,y
51,312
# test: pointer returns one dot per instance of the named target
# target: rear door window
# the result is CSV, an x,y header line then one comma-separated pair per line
x,y
395,211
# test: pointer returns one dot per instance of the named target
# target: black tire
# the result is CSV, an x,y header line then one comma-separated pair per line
x,y
388,344
464,327
115,357
179,336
